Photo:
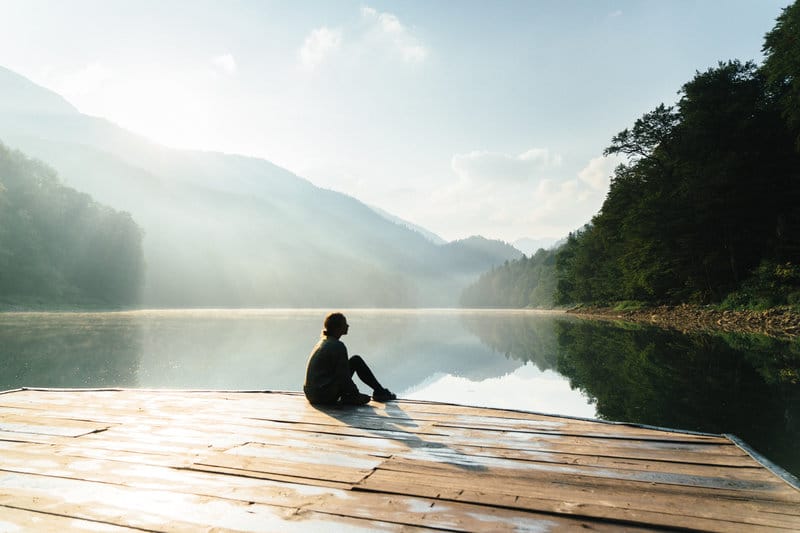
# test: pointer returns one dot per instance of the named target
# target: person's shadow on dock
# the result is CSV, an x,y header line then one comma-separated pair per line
x,y
395,424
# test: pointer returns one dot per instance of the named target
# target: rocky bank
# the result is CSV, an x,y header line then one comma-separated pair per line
x,y
781,322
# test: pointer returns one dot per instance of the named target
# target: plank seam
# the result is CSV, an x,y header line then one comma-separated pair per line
x,y
589,435
92,520
576,516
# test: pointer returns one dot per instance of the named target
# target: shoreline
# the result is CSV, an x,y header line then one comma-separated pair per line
x,y
779,322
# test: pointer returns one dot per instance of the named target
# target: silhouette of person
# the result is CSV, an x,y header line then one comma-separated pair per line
x,y
329,374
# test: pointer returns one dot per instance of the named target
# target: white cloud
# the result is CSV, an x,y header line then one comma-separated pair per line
x,y
387,29
483,166
224,62
511,196
597,174
319,45
379,34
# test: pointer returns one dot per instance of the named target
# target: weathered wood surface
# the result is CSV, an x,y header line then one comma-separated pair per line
x,y
124,460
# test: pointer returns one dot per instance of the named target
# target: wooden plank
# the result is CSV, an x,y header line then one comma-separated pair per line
x,y
447,457
350,444
294,466
310,413
775,491
714,455
503,418
158,510
624,464
12,519
268,476
368,417
407,511
149,432
632,507
48,426
413,464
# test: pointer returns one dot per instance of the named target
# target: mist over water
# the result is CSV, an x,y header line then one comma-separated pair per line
x,y
535,361
421,353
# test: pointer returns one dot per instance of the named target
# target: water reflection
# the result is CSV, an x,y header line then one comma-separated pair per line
x,y
728,383
741,384
733,383
68,350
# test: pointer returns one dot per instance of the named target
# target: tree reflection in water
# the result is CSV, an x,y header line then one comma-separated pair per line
x,y
719,383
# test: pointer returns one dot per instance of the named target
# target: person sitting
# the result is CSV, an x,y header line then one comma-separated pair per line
x,y
329,374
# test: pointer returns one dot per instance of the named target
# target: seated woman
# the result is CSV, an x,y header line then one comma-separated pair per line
x,y
329,375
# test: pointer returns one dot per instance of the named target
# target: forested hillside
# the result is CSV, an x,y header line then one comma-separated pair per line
x,y
58,246
526,282
706,207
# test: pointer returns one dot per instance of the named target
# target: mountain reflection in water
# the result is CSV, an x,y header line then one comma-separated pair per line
x,y
546,362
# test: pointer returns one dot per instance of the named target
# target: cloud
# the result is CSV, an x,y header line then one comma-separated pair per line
x,y
319,45
224,62
378,34
387,29
597,174
511,196
483,166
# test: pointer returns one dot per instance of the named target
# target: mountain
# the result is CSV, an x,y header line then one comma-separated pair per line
x,y
477,250
22,96
228,230
431,236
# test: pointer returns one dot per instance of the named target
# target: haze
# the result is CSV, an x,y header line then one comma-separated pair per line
x,y
464,118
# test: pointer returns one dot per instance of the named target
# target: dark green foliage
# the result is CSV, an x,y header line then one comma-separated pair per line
x,y
709,191
740,384
58,246
772,284
782,65
525,282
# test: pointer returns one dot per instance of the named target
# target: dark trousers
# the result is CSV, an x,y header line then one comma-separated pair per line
x,y
359,367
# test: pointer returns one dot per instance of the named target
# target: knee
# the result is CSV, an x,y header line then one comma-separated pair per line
x,y
356,361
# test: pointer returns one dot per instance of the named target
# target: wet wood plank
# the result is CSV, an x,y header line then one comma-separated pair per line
x,y
248,461
12,519
672,512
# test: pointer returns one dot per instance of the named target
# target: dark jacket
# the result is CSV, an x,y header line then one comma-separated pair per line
x,y
328,375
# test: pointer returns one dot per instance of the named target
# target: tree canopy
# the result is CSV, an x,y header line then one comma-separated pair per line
x,y
706,203
782,64
58,246
710,190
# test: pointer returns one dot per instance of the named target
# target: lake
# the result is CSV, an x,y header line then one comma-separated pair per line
x,y
537,361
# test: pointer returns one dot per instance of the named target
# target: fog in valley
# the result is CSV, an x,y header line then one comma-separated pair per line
x,y
232,231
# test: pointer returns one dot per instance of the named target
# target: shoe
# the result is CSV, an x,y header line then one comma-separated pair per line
x,y
383,395
356,399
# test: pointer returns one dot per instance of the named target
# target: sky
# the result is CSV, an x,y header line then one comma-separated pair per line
x,y
464,117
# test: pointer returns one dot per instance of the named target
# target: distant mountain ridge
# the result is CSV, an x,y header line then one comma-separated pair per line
x,y
20,95
431,236
229,230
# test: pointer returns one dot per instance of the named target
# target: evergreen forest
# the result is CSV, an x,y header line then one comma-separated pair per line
x,y
60,247
705,207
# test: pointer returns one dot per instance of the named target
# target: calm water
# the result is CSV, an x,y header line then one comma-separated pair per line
x,y
745,385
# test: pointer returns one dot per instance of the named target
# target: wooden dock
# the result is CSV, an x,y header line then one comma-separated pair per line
x,y
144,460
